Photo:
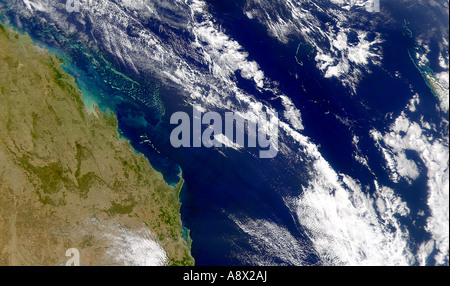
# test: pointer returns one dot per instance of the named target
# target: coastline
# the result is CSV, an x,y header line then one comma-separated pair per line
x,y
124,214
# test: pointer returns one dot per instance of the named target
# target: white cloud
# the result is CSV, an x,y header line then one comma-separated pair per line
x,y
406,135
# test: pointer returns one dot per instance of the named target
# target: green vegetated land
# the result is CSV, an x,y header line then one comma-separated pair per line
x,y
66,178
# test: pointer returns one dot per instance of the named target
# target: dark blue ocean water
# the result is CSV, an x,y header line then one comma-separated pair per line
x,y
325,99
238,185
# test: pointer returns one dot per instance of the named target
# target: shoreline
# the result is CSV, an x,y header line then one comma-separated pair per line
x,y
111,119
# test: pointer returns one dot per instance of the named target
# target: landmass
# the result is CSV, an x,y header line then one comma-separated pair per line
x,y
67,179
